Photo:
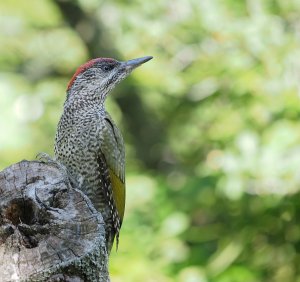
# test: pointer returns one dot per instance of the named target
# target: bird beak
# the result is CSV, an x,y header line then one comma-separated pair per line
x,y
132,64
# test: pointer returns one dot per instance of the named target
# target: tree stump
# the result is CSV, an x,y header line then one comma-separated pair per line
x,y
49,231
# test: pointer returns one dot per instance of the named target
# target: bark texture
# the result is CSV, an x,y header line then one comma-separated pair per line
x,y
49,231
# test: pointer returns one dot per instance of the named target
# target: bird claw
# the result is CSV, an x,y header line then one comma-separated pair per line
x,y
45,158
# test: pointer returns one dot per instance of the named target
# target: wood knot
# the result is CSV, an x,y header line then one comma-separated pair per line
x,y
20,218
20,211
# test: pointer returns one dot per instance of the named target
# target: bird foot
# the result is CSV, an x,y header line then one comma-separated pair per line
x,y
45,158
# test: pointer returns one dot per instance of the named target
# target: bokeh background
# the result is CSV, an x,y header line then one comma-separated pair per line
x,y
212,125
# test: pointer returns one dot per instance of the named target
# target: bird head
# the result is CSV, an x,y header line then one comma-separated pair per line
x,y
98,76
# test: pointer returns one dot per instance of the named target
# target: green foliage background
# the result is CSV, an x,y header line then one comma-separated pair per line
x,y
211,125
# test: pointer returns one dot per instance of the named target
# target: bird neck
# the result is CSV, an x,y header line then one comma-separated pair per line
x,y
85,97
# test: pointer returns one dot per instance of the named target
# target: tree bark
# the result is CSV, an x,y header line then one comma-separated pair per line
x,y
49,231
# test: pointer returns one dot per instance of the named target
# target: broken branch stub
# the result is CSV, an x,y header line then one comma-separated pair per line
x,y
48,230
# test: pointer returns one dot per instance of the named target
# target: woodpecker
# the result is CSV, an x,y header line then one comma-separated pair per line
x,y
88,142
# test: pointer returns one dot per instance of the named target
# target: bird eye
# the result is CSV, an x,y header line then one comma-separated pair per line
x,y
107,67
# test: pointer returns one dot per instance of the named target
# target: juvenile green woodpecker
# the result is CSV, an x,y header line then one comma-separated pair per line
x,y
89,143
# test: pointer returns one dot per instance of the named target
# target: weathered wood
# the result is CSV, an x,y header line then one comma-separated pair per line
x,y
48,230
